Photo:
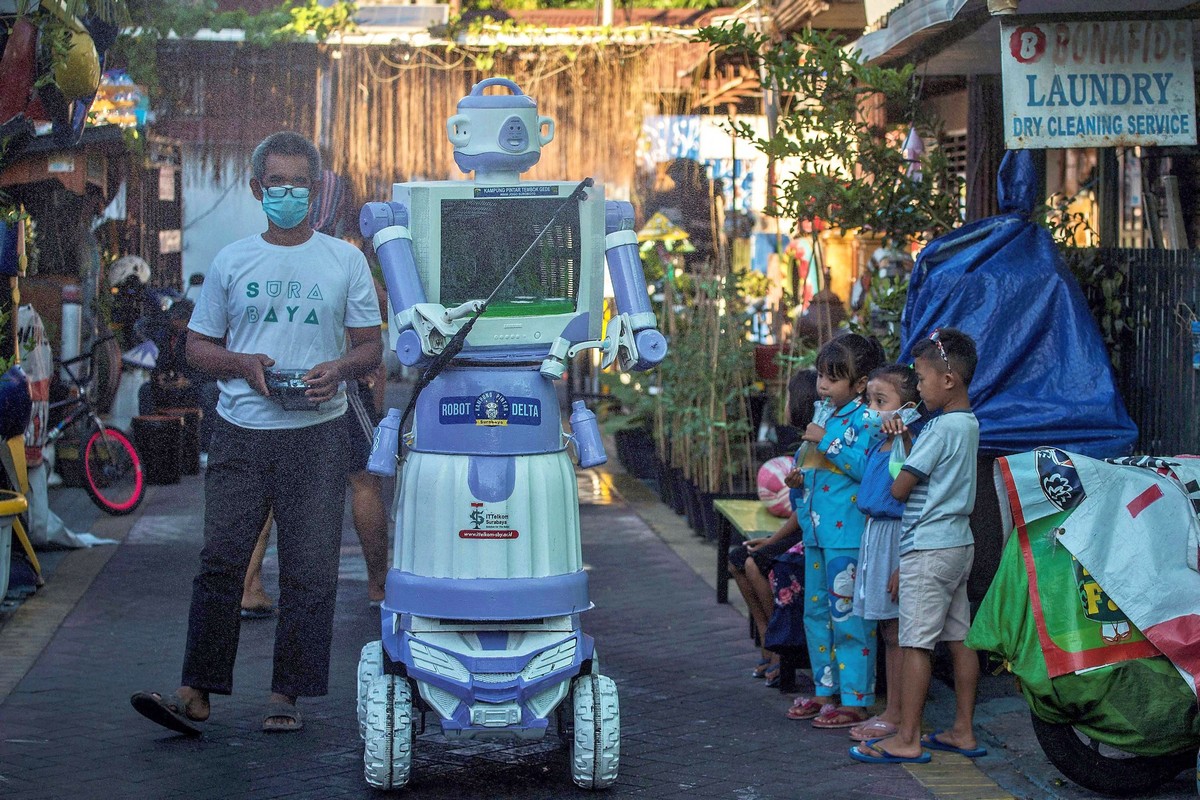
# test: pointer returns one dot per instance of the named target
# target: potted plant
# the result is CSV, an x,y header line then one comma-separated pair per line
x,y
854,134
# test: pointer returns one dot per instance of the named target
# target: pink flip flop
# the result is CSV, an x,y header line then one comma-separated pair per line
x,y
808,708
874,728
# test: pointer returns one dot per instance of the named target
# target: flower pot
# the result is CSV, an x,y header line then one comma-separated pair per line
x,y
635,450
678,501
691,499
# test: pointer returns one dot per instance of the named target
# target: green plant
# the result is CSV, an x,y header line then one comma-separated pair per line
x,y
150,21
851,170
1102,282
885,305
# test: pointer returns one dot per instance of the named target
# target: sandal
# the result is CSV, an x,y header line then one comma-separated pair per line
x,y
874,728
284,711
839,718
169,711
760,671
773,676
808,708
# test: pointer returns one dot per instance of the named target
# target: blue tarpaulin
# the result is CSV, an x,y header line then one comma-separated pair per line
x,y
1044,376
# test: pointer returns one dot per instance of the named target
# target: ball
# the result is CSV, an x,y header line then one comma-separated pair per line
x,y
772,491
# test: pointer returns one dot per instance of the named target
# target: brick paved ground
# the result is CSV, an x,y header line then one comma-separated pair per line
x,y
694,724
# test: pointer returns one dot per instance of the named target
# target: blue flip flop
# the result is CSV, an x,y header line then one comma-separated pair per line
x,y
932,741
885,758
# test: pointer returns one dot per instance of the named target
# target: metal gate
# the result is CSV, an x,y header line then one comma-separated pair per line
x,y
1160,295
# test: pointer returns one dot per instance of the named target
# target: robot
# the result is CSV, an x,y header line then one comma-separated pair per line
x,y
495,284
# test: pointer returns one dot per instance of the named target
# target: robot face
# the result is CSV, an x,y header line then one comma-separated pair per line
x,y
514,136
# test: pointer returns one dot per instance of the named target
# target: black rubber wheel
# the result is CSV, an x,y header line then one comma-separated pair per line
x,y
1105,769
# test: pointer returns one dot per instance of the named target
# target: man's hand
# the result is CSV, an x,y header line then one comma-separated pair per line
x,y
813,433
323,381
893,585
253,367
794,479
754,544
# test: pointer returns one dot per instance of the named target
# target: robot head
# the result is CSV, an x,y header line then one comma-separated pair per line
x,y
498,136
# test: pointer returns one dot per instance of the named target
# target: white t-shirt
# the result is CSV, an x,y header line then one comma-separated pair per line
x,y
943,458
291,303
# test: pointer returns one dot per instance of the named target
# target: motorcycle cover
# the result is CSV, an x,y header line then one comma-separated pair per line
x,y
1081,659
1044,376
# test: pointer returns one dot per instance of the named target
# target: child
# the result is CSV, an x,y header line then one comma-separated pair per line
x,y
750,561
891,391
840,644
936,549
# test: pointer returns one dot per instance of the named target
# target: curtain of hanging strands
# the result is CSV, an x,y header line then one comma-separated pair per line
x,y
382,110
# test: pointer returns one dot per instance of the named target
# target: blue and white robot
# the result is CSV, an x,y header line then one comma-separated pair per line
x,y
495,284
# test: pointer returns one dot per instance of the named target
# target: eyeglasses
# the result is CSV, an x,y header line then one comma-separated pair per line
x,y
935,337
298,192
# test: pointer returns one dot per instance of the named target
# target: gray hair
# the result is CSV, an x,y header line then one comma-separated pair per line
x,y
286,143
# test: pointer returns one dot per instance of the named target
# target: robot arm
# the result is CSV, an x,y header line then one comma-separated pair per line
x,y
424,327
638,326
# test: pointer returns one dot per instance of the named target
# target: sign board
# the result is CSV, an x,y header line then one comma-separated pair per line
x,y
1087,83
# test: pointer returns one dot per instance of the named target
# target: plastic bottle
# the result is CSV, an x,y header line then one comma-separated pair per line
x,y
382,460
588,445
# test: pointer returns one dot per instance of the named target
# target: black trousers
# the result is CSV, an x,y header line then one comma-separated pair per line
x,y
301,474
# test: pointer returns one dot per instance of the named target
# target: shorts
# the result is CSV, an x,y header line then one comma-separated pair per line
x,y
359,421
763,556
878,558
933,596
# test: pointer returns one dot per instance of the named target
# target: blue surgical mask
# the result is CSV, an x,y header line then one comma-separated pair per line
x,y
286,211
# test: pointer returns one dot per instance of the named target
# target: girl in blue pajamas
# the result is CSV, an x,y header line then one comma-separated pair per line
x,y
841,646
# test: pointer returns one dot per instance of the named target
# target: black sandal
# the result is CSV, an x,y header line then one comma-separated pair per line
x,y
170,712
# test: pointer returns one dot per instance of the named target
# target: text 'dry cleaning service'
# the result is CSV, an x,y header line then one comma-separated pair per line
x,y
1087,83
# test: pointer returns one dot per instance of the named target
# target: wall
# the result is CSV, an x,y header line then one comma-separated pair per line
x,y
215,211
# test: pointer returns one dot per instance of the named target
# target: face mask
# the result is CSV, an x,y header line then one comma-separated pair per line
x,y
872,420
908,415
287,211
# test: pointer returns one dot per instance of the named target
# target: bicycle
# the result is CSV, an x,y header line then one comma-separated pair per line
x,y
112,468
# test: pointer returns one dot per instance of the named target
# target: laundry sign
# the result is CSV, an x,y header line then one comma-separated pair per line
x,y
1086,83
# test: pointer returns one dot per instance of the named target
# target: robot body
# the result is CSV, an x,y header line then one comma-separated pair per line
x,y
495,285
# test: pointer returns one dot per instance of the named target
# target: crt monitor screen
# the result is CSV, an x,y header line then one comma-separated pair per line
x,y
483,238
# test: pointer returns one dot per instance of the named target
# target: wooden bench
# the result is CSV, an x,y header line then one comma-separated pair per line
x,y
751,520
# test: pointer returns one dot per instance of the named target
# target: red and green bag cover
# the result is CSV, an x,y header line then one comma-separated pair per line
x,y
1078,657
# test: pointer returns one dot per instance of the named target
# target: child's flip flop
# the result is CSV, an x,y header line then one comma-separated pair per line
x,y
874,755
932,741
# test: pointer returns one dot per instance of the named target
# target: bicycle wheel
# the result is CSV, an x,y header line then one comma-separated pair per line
x,y
112,472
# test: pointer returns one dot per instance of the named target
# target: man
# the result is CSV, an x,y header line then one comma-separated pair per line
x,y
290,299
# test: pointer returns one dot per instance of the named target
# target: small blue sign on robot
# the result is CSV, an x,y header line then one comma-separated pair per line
x,y
490,409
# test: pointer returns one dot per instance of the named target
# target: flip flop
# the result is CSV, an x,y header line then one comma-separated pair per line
x,y
883,757
932,741
808,708
286,711
760,670
874,728
838,719
258,612
170,712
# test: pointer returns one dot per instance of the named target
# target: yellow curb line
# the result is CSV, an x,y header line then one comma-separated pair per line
x,y
950,776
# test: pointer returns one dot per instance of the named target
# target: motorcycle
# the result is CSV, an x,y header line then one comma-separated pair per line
x,y
1091,609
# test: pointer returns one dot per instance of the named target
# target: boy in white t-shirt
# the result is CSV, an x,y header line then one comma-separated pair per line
x,y
293,299
937,548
